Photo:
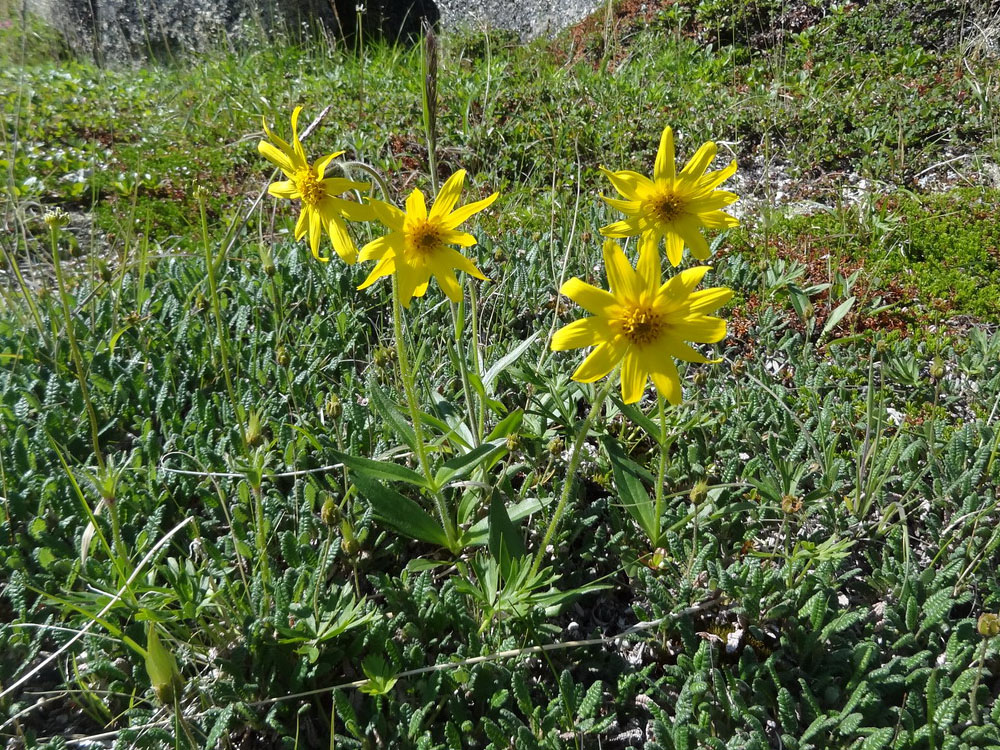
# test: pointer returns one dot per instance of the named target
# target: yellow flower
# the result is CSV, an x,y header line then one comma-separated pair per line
x,y
417,246
321,208
641,323
673,206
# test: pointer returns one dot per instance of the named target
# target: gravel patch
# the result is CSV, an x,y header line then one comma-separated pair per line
x,y
529,19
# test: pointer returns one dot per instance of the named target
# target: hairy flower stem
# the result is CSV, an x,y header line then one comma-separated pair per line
x,y
458,318
574,463
411,401
661,472
429,63
210,266
75,352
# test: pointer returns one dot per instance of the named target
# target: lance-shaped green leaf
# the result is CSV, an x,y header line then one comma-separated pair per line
x,y
631,489
400,512
380,469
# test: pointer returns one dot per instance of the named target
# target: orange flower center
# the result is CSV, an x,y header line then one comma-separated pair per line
x,y
641,325
665,206
423,238
308,186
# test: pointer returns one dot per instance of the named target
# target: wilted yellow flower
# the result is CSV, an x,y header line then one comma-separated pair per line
x,y
642,323
417,246
672,206
321,208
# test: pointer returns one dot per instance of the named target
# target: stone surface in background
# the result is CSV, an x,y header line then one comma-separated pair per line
x,y
122,30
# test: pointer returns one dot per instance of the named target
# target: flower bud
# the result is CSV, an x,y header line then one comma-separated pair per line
x,y
937,369
790,504
329,513
699,492
988,625
333,408
56,218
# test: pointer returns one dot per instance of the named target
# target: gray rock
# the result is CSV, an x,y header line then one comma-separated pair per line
x,y
123,30
529,19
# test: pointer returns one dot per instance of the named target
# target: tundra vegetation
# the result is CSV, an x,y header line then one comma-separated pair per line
x,y
633,388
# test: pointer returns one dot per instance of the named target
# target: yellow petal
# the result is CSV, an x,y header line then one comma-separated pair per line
x,y
688,227
601,361
447,197
409,280
299,151
701,329
315,235
667,381
664,167
416,207
718,220
626,228
376,249
621,276
710,202
712,180
285,189
462,239
626,207
389,215
302,225
354,211
648,269
338,185
679,350
592,299
385,267
709,300
341,240
447,258
421,289
276,157
633,378
458,216
674,246
675,291
581,333
700,161
281,144
450,286
323,163
630,184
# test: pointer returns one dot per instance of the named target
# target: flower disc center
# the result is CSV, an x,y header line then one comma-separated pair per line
x,y
308,186
642,326
666,206
424,238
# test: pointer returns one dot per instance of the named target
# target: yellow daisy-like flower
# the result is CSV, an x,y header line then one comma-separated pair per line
x,y
321,208
417,246
642,323
672,206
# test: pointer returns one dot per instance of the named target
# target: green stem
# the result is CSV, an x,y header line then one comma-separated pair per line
x,y
411,401
476,365
458,318
574,463
661,472
217,311
75,353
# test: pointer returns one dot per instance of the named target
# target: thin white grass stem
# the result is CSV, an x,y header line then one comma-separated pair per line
x,y
107,607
